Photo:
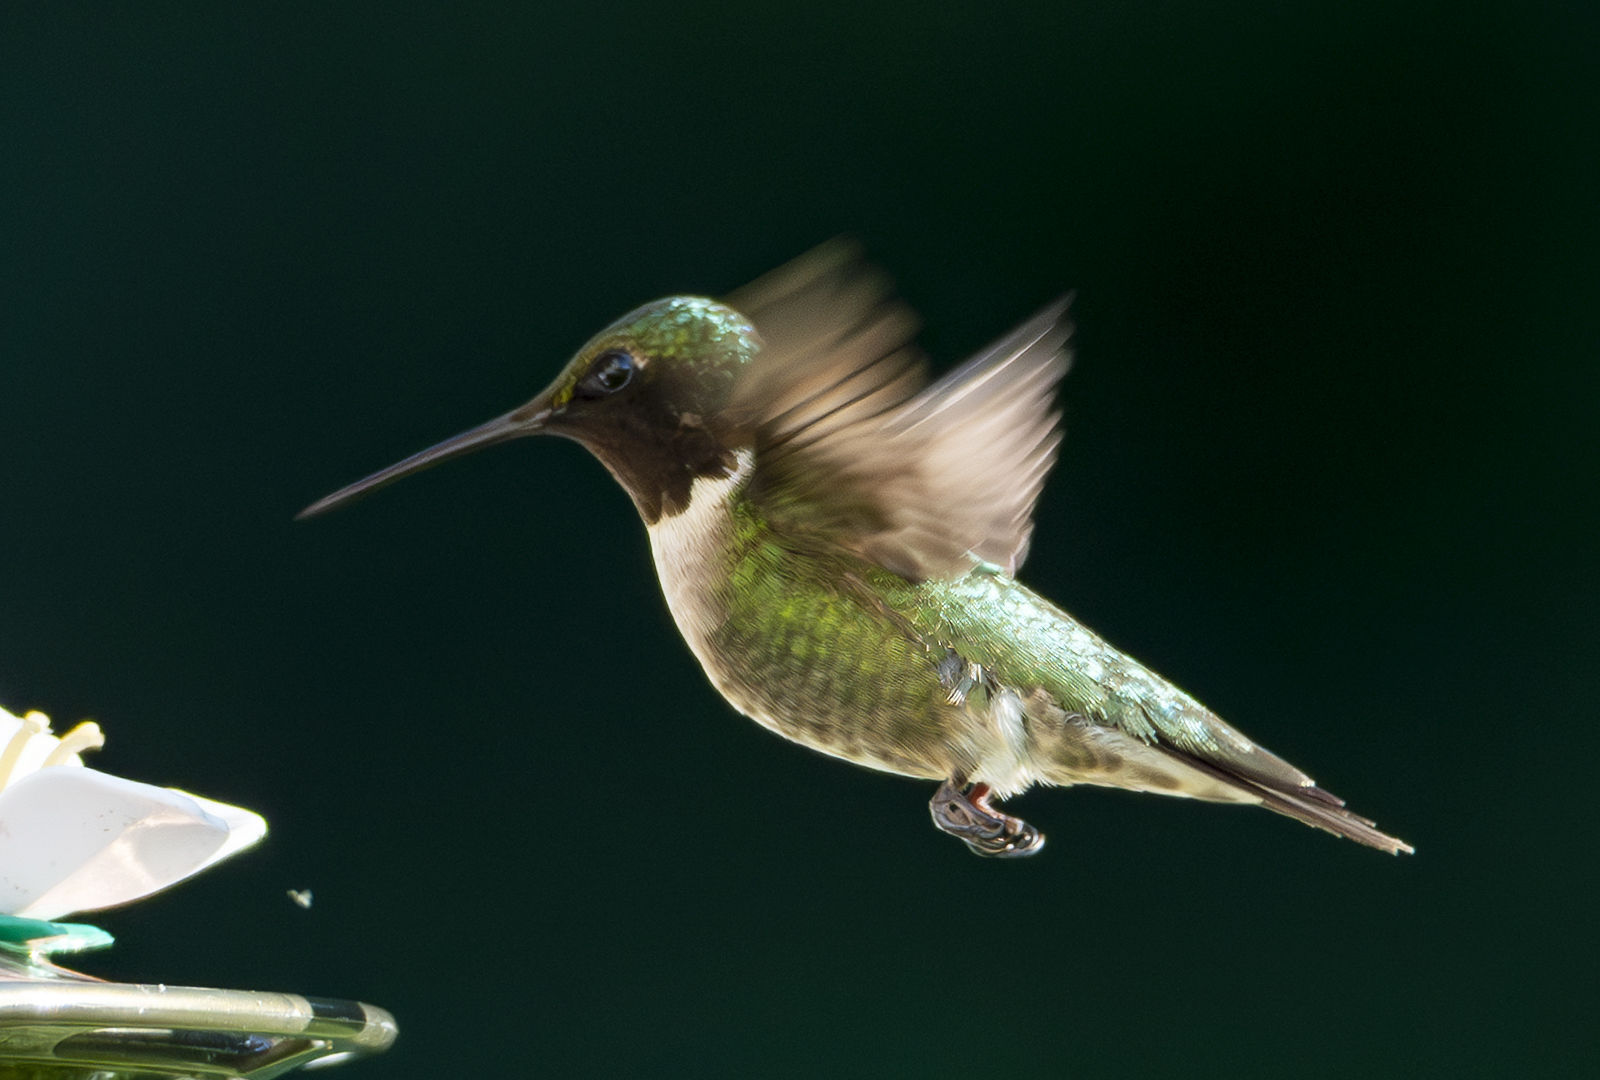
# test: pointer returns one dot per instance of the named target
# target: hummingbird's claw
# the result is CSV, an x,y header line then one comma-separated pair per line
x,y
967,814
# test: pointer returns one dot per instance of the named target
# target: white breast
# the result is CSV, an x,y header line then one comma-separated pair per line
x,y
689,548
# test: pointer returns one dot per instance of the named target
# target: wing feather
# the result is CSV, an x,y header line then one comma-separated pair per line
x,y
853,448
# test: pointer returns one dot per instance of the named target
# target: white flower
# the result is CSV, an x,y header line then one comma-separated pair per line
x,y
73,839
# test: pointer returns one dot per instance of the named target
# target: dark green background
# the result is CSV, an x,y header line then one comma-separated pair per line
x,y
1331,465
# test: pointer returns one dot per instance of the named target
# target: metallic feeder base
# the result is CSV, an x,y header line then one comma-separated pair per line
x,y
60,1025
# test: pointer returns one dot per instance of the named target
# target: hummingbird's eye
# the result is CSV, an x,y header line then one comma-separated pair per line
x,y
609,373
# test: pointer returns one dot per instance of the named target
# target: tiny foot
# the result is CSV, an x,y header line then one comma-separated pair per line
x,y
968,815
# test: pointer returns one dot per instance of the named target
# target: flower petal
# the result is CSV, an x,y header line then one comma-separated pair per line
x,y
245,827
78,839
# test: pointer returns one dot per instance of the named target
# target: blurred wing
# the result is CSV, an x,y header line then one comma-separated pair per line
x,y
851,447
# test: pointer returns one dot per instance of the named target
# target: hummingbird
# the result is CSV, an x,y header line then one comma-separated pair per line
x,y
837,538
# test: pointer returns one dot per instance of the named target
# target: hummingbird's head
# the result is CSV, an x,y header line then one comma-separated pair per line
x,y
680,354
646,396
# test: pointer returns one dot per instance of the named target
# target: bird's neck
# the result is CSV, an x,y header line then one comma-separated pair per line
x,y
661,466
691,549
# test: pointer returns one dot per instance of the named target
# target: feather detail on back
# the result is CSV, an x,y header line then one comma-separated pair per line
x,y
853,450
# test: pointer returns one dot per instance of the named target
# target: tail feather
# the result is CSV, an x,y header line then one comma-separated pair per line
x,y
1307,803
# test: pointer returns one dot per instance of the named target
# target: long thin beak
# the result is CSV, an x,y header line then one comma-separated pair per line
x,y
527,420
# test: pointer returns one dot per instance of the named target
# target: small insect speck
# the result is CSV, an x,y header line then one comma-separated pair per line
x,y
301,897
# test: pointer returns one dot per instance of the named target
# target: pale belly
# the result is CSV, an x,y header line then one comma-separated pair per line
x,y
815,660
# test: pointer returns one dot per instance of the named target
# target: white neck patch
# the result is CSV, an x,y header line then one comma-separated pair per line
x,y
688,547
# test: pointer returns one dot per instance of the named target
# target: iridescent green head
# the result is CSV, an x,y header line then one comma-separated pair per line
x,y
681,353
644,396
